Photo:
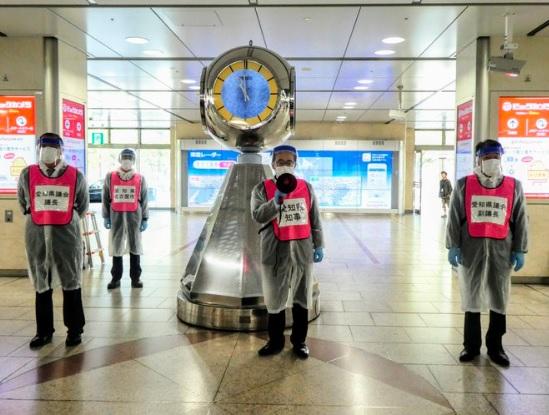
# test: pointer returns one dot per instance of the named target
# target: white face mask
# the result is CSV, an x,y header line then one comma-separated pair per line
x,y
49,155
280,170
126,164
491,167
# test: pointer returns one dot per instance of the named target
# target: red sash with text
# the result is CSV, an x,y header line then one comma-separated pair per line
x,y
125,193
488,210
52,198
293,222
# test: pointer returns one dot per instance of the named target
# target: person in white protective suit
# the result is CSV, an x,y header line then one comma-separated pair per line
x,y
291,240
54,197
125,213
487,237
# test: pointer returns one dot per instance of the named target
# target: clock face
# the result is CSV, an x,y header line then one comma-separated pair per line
x,y
245,93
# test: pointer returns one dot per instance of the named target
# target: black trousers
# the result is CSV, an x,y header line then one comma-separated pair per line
x,y
277,322
117,267
472,337
73,312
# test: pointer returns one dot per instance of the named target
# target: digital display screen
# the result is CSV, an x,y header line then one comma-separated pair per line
x,y
341,179
523,131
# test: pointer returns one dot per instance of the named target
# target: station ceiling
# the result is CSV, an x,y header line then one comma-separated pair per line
x,y
332,45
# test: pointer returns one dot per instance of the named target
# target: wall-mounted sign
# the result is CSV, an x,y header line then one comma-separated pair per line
x,y
523,131
464,139
74,132
17,139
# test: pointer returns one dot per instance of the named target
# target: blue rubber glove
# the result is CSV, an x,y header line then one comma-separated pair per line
x,y
107,223
318,255
517,260
144,225
454,256
279,197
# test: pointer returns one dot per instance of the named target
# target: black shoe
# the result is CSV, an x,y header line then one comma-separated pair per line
x,y
73,340
113,284
467,355
270,348
499,358
137,283
301,351
39,341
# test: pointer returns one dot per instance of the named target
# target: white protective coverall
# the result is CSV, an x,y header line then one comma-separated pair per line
x,y
485,271
55,248
286,265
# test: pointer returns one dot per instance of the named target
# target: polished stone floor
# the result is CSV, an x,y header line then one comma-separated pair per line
x,y
386,342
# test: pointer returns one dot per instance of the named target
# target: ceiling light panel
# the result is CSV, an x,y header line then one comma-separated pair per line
x,y
298,38
363,99
420,26
171,72
166,99
115,99
312,100
112,26
124,75
350,115
221,29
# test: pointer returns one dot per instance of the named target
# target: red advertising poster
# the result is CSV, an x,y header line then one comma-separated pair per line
x,y
73,119
17,139
524,133
464,139
465,121
17,115
523,117
74,133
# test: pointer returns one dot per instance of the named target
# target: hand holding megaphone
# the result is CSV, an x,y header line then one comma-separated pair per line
x,y
285,184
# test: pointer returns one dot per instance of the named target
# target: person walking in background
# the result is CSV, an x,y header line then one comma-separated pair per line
x,y
445,191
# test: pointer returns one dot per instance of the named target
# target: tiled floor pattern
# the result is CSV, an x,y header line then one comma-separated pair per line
x,y
386,342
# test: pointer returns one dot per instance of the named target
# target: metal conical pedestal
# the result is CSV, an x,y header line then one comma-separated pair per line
x,y
221,287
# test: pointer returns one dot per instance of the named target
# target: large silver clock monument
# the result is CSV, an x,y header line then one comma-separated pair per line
x,y
247,102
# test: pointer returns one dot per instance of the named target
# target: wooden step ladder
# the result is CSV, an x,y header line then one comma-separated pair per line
x,y
87,233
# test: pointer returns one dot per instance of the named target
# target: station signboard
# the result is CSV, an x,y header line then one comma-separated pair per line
x,y
464,139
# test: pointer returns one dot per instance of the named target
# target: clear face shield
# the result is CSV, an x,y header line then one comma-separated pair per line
x,y
50,154
127,161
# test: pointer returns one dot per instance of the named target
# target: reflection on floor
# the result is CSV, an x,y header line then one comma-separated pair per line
x,y
386,342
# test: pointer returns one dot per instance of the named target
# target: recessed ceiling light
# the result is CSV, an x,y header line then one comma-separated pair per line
x,y
360,88
348,107
153,52
307,19
136,40
92,1
350,103
194,87
393,40
365,81
188,81
384,52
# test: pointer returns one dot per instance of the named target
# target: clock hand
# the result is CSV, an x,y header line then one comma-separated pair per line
x,y
243,89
